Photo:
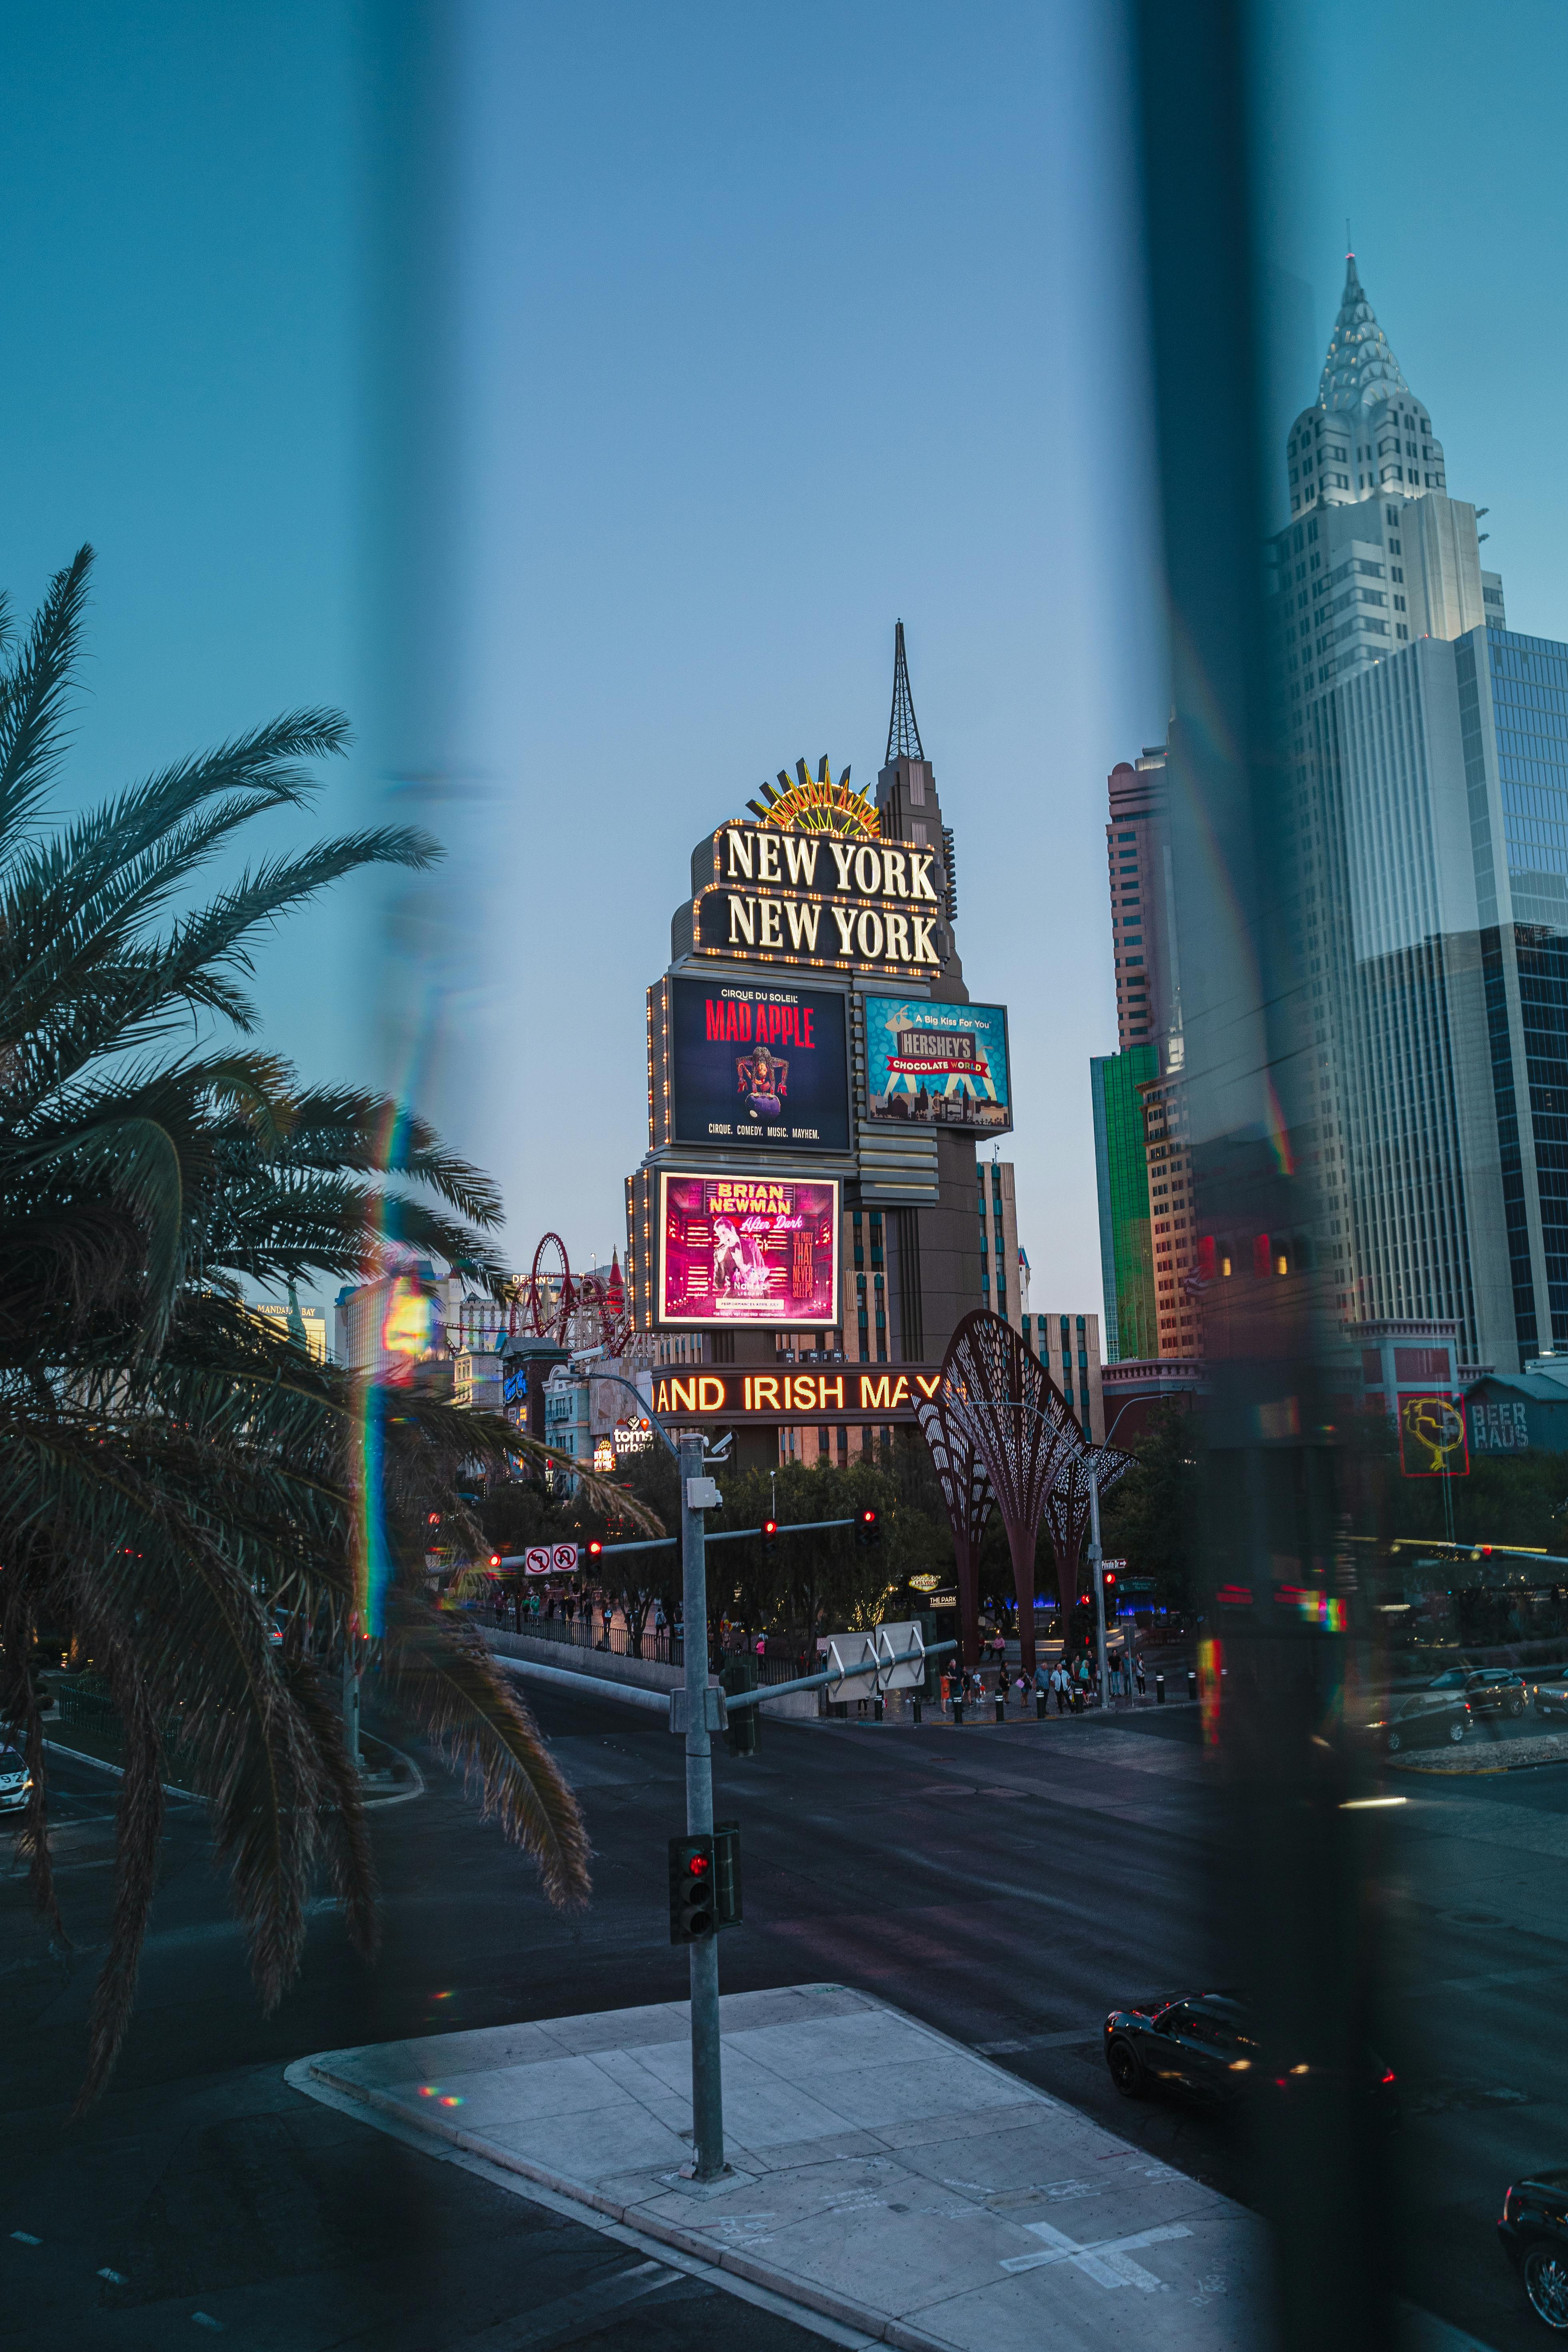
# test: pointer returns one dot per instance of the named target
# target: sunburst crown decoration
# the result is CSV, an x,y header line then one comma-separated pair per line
x,y
817,804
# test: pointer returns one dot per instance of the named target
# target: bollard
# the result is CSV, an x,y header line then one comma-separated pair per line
x,y
1039,1707
1159,1690
1001,1708
877,1709
958,1710
1192,1682
915,1709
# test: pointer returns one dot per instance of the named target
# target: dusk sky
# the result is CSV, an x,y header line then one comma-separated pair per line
x,y
578,395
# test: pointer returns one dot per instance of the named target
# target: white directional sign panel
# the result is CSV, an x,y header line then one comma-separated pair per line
x,y
536,1563
865,1661
564,1560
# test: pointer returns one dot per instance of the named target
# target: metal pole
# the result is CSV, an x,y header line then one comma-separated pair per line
x,y
1098,1564
351,1697
706,2081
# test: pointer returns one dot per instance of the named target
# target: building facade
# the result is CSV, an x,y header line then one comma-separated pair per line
x,y
1135,1238
1069,1346
828,905
1427,808
1001,1284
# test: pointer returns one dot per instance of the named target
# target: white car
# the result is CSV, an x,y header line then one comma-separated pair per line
x,y
16,1780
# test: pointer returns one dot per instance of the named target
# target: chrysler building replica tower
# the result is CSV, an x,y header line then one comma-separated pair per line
x,y
1424,805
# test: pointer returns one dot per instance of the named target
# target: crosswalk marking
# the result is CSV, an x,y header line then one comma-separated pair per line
x,y
1104,2260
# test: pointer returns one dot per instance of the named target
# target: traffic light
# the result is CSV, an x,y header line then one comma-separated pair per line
x,y
692,1912
727,1869
770,1531
495,1559
742,1732
868,1531
594,1547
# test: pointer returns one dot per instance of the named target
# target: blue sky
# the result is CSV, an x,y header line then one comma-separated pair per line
x,y
577,396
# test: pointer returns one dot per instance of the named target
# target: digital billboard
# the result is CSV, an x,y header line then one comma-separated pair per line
x,y
759,1067
938,1064
748,1249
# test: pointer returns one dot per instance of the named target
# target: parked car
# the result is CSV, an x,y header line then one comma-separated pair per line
x,y
1533,2232
1420,1722
1551,1693
1497,1690
1207,2045
16,1780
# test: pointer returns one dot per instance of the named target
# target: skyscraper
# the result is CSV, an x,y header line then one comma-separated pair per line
x,y
1135,1245
1426,803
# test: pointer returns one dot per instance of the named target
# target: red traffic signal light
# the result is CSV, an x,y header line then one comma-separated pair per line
x,y
691,1915
1111,1578
769,1527
867,1531
594,1547
495,1559
770,1530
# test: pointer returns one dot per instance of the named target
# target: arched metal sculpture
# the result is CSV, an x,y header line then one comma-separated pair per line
x,y
1068,1508
999,1400
966,1491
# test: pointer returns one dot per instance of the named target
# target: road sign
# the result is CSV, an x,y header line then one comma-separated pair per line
x,y
864,1661
536,1560
564,1560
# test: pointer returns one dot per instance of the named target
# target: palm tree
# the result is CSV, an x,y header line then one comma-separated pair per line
x,y
178,1481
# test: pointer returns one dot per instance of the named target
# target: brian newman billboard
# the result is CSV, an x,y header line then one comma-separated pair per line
x,y
759,1065
748,1249
937,1065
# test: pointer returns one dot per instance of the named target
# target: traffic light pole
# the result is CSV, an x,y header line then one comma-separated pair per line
x,y
1096,1560
706,2081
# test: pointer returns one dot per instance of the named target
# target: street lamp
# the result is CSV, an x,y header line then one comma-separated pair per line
x,y
1095,1555
698,1495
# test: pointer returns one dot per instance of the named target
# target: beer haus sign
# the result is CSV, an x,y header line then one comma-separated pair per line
x,y
763,894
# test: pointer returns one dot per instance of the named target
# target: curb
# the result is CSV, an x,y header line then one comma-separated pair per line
x,y
875,2324
194,1796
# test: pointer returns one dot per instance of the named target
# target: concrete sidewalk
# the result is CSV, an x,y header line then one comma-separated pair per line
x,y
884,2176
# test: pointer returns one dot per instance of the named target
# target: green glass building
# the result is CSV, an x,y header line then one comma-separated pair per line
x,y
1121,1171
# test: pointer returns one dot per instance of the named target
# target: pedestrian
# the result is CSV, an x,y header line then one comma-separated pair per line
x,y
1141,1691
945,1690
762,1646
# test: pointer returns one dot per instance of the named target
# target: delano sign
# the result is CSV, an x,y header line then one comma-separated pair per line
x,y
830,1392
766,895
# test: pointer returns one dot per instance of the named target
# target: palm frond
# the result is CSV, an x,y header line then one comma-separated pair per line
x,y
33,698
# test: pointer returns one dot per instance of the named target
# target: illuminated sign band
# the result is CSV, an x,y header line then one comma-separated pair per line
x,y
812,899
747,1249
837,1393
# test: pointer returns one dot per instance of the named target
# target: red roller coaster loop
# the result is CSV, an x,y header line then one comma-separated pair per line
x,y
549,1300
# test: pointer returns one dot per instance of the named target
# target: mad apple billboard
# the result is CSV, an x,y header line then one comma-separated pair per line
x,y
938,1064
748,1249
759,1067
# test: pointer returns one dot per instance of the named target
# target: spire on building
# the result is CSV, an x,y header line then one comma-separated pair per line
x,y
1359,369
903,735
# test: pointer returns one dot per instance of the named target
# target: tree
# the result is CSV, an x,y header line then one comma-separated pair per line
x,y
1150,1516
178,1481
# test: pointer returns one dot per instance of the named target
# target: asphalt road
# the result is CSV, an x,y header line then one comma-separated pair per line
x,y
1007,1885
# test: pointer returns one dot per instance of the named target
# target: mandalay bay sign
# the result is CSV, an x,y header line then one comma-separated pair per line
x,y
764,894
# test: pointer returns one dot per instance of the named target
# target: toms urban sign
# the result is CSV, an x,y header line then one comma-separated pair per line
x,y
758,892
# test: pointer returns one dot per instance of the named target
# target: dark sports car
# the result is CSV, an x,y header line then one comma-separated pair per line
x,y
1206,2044
1533,2231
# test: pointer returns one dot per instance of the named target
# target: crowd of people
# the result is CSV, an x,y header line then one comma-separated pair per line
x,y
1070,1685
